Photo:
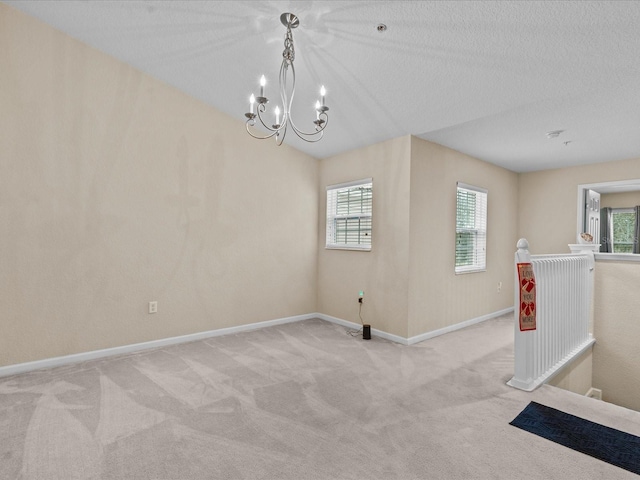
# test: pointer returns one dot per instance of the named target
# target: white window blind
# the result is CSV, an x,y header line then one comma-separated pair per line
x,y
471,228
349,215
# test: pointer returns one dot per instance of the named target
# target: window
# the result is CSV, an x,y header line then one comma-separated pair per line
x,y
624,225
471,228
349,208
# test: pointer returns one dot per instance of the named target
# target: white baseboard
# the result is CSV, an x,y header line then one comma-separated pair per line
x,y
109,352
136,347
594,393
357,326
417,338
457,326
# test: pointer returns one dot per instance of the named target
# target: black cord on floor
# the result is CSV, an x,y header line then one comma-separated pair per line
x,y
355,333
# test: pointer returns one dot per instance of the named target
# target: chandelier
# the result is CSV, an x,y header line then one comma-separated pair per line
x,y
278,128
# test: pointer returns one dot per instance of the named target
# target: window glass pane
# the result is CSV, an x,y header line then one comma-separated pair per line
x,y
465,211
464,249
353,230
355,200
623,232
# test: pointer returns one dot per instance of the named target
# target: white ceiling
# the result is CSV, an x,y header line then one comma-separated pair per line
x,y
487,78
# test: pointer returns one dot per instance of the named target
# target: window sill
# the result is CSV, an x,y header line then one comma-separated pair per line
x,y
617,257
471,270
347,247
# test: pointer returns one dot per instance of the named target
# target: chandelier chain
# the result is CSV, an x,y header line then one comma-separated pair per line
x,y
289,53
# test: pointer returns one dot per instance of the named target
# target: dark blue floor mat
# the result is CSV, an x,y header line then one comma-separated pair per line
x,y
607,444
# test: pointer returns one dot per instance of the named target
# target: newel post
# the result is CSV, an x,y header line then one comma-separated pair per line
x,y
523,340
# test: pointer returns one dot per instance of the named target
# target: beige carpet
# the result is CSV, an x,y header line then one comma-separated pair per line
x,y
298,401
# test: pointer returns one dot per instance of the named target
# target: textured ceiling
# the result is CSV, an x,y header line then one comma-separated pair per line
x,y
489,79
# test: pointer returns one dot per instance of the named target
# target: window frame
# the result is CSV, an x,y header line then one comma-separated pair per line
x,y
332,192
479,262
628,185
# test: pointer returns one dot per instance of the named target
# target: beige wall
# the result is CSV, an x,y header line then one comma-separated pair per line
x,y
382,272
616,356
116,190
408,277
548,201
438,297
620,200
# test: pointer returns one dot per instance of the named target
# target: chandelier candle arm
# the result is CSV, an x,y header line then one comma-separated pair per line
x,y
287,92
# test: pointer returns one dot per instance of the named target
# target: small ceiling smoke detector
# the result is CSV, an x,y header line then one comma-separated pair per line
x,y
554,133
381,27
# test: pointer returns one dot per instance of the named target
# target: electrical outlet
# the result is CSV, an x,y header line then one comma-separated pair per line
x,y
499,287
153,307
361,296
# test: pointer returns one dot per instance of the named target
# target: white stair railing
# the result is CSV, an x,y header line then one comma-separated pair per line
x,y
563,293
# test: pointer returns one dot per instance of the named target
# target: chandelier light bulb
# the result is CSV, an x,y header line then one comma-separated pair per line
x,y
287,86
